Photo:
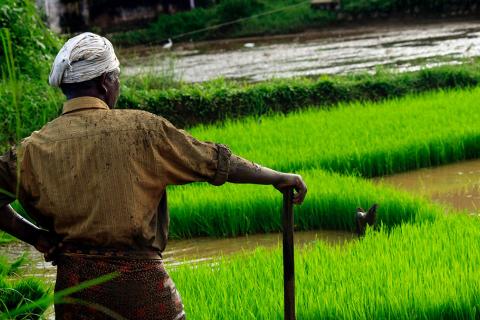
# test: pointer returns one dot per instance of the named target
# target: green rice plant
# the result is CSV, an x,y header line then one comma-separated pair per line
x,y
19,293
5,238
8,268
32,309
414,271
370,139
232,210
163,76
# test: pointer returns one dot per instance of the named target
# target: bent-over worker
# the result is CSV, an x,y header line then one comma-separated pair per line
x,y
94,180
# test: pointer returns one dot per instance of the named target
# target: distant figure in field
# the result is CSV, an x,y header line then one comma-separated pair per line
x,y
94,180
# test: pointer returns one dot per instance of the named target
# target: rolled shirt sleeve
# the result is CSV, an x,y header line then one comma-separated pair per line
x,y
186,159
7,177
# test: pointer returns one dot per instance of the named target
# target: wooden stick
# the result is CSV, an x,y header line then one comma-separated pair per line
x,y
288,261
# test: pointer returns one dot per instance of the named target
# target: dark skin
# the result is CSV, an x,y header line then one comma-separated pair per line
x,y
107,88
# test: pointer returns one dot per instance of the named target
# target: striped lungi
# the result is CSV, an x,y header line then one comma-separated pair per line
x,y
142,290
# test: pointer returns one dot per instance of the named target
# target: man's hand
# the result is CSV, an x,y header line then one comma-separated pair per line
x,y
47,243
244,171
294,181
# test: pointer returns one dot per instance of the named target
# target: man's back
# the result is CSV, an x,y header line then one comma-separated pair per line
x,y
99,174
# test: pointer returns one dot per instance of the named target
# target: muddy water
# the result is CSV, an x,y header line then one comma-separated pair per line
x,y
401,47
456,185
198,250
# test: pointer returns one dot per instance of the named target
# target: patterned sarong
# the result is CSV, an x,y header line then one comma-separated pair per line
x,y
143,289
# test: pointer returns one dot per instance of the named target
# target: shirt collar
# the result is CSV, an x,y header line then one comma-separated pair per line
x,y
82,103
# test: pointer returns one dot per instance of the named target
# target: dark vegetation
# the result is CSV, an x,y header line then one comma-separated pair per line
x,y
289,16
220,100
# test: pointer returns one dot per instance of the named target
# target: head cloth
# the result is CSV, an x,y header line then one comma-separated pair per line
x,y
83,58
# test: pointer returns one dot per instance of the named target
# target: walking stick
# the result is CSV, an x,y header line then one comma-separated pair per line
x,y
288,263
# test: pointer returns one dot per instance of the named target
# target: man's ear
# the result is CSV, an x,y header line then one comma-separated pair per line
x,y
102,84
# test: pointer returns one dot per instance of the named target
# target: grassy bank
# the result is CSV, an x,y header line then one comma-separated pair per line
x,y
426,271
215,101
262,17
296,16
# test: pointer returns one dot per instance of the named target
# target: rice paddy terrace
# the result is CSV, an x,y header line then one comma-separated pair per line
x,y
421,262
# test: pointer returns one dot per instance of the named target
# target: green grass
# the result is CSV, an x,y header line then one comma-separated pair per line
x,y
17,291
284,16
415,271
366,139
370,139
232,210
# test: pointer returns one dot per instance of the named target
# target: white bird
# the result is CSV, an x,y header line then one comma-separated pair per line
x,y
168,45
249,45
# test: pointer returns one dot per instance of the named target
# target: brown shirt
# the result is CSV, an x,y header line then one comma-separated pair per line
x,y
97,177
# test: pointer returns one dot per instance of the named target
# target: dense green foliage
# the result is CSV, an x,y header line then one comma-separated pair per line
x,y
407,6
184,25
33,43
16,291
215,101
415,271
274,17
37,104
26,49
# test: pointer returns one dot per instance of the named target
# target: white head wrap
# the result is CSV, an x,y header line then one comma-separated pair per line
x,y
83,58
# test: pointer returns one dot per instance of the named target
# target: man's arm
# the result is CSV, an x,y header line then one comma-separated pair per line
x,y
244,171
22,229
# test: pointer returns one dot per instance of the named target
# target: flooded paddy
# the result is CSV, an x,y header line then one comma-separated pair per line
x,y
456,185
403,47
192,251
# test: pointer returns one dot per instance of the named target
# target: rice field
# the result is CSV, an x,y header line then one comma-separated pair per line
x,y
414,271
232,210
355,140
419,264
370,139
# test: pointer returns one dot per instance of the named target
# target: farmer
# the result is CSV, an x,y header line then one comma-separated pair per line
x,y
94,180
